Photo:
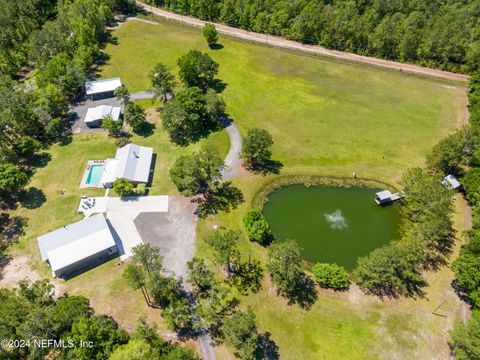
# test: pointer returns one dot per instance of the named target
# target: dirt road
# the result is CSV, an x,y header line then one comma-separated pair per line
x,y
312,49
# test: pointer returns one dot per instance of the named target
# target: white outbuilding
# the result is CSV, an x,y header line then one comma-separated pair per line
x,y
101,89
451,182
95,116
132,162
77,247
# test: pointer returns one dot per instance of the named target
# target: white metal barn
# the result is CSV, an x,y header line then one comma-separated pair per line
x,y
79,246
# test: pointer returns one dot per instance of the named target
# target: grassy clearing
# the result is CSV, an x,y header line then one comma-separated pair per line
x,y
327,117
104,285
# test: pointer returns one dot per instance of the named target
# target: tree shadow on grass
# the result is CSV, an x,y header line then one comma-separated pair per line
x,y
461,294
218,85
40,160
216,46
224,197
267,348
270,167
32,198
248,277
304,294
146,130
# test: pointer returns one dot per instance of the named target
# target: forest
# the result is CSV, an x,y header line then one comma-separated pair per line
x,y
439,33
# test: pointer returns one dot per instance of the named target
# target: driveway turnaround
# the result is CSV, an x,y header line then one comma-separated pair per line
x,y
121,214
172,231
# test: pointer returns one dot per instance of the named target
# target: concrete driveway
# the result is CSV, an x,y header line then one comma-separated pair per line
x,y
172,231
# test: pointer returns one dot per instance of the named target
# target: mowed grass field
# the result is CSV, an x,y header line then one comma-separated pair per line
x,y
326,117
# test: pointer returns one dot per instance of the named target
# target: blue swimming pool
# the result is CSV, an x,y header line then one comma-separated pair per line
x,y
95,174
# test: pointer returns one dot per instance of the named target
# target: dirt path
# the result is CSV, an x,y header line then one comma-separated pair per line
x,y
312,49
233,163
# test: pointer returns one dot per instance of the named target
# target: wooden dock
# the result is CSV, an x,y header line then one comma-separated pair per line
x,y
386,197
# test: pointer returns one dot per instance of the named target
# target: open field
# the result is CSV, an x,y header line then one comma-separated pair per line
x,y
341,117
104,285
327,118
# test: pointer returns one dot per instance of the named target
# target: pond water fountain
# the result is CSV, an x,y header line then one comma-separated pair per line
x,y
336,220
331,224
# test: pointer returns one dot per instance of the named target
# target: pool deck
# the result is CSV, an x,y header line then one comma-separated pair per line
x,y
83,182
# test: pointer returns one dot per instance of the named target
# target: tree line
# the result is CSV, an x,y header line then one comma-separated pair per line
x,y
440,33
459,154
32,313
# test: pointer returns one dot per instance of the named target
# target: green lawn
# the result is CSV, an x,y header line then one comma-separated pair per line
x,y
327,117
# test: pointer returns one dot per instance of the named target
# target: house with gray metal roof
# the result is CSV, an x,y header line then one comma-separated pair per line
x,y
78,246
132,162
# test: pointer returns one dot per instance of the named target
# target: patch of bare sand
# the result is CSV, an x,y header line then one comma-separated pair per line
x,y
20,268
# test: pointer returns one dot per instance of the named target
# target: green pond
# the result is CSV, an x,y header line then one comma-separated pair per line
x,y
331,224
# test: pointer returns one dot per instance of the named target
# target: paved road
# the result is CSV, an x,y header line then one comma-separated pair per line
x,y
313,49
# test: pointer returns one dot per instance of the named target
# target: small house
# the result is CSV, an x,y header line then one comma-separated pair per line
x,y
96,115
132,162
451,182
102,89
77,247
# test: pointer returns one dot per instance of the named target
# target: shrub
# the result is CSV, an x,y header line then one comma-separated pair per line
x,y
210,34
114,127
257,227
140,190
331,276
123,187
122,141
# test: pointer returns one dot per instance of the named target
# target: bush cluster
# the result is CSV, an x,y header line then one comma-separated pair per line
x,y
257,227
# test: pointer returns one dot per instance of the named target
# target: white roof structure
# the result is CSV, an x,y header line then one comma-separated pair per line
x,y
101,86
451,182
132,162
75,242
383,195
102,111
